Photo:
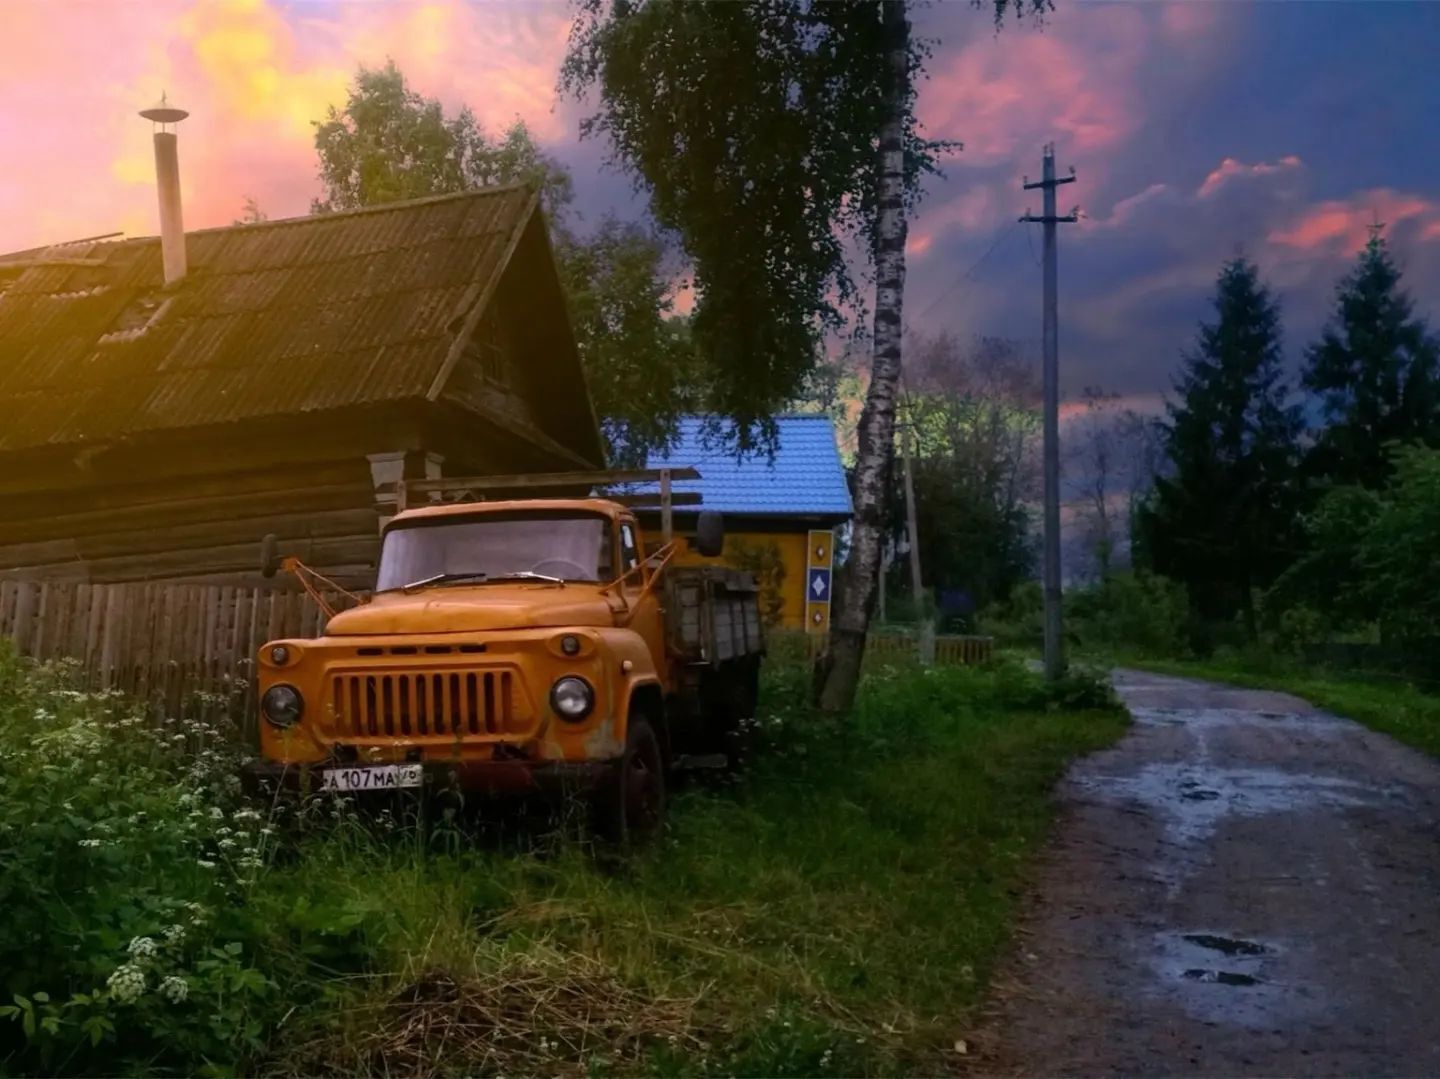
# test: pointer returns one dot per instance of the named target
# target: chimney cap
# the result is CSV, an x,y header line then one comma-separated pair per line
x,y
164,113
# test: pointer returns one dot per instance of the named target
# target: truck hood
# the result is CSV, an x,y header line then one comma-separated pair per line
x,y
469,610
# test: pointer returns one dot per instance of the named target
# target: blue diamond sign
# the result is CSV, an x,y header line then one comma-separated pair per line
x,y
818,588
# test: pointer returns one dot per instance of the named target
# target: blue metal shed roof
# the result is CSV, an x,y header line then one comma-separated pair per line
x,y
804,479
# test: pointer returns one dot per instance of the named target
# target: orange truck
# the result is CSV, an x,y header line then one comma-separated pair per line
x,y
525,645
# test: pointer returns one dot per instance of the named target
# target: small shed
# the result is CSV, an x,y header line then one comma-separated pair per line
x,y
298,369
781,512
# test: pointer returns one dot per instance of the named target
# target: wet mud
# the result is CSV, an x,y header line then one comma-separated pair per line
x,y
1242,886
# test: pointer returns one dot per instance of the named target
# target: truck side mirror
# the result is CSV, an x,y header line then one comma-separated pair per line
x,y
709,534
269,555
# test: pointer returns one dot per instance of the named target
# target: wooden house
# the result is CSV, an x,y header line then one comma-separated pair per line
x,y
153,431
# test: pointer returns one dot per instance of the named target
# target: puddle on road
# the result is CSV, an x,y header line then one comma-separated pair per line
x,y
1226,945
1193,797
1218,978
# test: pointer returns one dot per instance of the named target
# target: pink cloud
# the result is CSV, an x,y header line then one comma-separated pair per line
x,y
1005,97
973,208
1343,225
254,75
1187,19
1230,168
1144,404
1125,208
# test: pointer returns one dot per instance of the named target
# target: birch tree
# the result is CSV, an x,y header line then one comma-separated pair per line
x,y
767,136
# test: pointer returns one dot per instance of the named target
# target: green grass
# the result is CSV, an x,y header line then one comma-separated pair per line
x,y
837,909
1389,705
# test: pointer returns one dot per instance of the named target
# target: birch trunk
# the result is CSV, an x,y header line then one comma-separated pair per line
x,y
838,675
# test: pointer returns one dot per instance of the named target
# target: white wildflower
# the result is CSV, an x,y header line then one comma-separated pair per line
x,y
141,947
204,863
216,813
175,933
89,842
174,989
127,983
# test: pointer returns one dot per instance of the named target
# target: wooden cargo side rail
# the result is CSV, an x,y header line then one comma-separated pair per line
x,y
715,614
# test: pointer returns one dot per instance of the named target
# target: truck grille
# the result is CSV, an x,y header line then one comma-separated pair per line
x,y
452,703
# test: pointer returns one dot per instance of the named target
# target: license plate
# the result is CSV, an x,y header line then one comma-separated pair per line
x,y
379,777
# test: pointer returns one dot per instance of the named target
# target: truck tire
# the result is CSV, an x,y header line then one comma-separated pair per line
x,y
741,693
630,807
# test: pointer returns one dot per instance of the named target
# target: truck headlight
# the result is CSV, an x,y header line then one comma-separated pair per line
x,y
282,705
572,698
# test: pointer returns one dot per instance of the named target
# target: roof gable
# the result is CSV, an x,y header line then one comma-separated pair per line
x,y
285,317
805,478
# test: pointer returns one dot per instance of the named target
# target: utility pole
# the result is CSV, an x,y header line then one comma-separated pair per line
x,y
1054,639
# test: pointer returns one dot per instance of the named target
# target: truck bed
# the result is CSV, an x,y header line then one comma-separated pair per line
x,y
714,614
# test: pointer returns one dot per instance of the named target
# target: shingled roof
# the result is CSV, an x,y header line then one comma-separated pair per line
x,y
805,478
284,317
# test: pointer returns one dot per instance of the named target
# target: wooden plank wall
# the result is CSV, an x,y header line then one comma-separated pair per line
x,y
164,643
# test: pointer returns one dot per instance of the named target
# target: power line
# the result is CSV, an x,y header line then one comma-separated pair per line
x,y
1000,235
1030,243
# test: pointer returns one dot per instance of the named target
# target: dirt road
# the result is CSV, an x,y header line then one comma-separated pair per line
x,y
1242,886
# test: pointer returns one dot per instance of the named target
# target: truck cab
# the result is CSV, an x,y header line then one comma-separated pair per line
x,y
523,645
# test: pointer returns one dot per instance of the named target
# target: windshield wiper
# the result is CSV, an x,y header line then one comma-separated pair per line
x,y
528,575
473,575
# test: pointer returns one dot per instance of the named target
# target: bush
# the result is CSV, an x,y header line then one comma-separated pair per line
x,y
1129,612
126,850
1018,621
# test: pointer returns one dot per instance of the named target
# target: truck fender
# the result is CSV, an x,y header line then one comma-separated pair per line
x,y
646,697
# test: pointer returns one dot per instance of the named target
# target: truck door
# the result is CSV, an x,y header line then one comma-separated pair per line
x,y
649,617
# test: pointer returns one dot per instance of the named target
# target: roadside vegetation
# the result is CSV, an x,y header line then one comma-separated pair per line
x,y
834,909
1389,704
1141,620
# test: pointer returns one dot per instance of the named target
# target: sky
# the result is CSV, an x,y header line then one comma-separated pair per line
x,y
1196,129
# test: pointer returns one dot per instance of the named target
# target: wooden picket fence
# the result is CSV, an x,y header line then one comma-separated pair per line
x,y
949,648
165,643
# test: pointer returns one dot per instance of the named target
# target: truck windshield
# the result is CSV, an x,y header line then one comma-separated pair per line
x,y
572,547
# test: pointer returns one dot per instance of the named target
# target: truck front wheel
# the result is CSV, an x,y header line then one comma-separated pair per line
x,y
630,808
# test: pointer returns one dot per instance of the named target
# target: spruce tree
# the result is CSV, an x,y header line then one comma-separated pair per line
x,y
1377,371
1223,520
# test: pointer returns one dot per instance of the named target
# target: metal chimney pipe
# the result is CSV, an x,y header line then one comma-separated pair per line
x,y
167,186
